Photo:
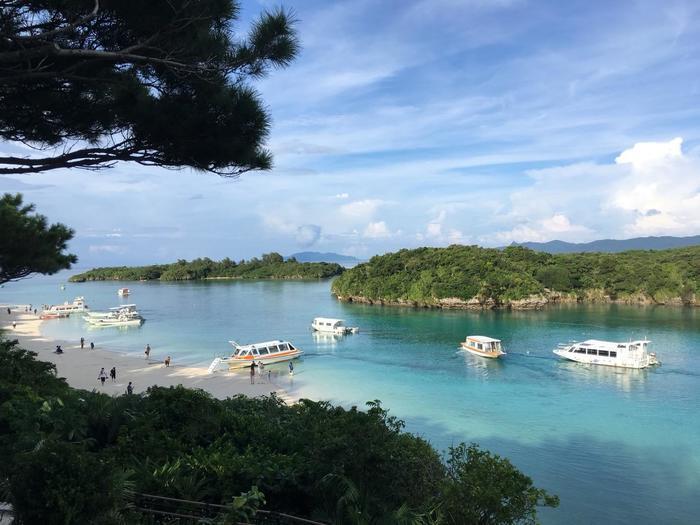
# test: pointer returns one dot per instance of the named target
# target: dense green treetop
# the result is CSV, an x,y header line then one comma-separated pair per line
x,y
270,266
158,82
426,275
28,244
72,456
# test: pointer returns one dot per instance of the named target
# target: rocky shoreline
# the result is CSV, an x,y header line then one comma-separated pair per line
x,y
533,302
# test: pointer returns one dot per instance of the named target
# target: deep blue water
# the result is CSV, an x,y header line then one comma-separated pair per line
x,y
617,446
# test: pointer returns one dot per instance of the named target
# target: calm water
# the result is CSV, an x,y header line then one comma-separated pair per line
x,y
618,446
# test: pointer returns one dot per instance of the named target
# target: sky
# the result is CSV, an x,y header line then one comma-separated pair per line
x,y
428,123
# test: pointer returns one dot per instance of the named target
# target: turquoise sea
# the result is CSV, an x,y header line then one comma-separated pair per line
x,y
617,446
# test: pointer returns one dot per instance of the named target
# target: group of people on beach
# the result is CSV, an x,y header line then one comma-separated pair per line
x,y
261,371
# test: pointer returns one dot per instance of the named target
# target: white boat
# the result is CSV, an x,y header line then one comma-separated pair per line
x,y
483,346
125,315
65,309
123,292
120,319
633,354
112,311
332,326
267,352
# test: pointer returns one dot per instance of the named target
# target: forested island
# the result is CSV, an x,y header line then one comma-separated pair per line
x,y
270,266
471,277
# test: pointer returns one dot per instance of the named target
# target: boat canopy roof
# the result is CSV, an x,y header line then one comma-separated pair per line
x,y
256,345
123,306
609,345
328,320
483,339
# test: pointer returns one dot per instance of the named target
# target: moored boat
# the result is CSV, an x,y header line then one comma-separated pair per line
x,y
123,292
64,310
632,354
266,353
125,315
483,346
332,326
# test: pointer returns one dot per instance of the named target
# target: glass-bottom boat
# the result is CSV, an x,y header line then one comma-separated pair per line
x,y
266,353
483,346
633,354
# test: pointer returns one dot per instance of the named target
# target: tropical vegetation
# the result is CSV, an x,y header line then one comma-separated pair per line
x,y
79,457
270,266
425,276
28,244
89,83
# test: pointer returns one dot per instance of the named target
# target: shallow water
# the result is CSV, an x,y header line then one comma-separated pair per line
x,y
617,446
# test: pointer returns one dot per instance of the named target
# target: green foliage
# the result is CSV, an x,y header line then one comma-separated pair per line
x,y
158,82
476,487
28,244
426,275
72,456
272,266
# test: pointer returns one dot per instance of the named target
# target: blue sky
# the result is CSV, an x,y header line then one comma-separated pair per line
x,y
404,124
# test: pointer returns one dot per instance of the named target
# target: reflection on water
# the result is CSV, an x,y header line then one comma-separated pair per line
x,y
326,340
623,379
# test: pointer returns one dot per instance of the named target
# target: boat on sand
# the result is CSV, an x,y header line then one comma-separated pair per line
x,y
266,353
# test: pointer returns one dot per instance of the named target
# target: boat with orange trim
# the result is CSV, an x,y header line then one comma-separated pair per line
x,y
483,346
266,353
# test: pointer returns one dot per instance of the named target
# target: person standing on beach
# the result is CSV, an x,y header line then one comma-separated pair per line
x,y
147,351
102,376
291,368
82,343
129,389
261,370
9,312
167,361
113,374
92,345
14,324
252,373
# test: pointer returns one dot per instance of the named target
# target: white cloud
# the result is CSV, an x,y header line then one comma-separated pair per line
x,y
363,209
308,234
377,230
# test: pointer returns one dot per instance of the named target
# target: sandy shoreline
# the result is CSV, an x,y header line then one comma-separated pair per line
x,y
80,367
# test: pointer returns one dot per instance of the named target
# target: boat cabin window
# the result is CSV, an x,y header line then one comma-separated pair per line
x,y
263,351
254,351
613,353
283,347
580,350
592,351
603,353
478,345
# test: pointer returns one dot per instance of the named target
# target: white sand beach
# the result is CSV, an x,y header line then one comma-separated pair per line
x,y
80,367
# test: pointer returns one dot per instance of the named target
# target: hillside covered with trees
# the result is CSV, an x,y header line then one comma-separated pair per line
x,y
270,266
517,277
73,456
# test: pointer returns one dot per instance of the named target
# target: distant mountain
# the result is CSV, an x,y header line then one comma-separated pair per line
x,y
613,245
345,260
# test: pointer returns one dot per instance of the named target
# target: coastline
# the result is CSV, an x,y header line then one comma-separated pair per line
x,y
533,302
80,367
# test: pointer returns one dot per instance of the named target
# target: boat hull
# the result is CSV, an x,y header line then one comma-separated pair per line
x,y
235,364
606,361
488,355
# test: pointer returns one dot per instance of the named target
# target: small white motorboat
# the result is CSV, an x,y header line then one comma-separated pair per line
x,y
123,292
633,354
267,352
483,346
332,326
125,315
